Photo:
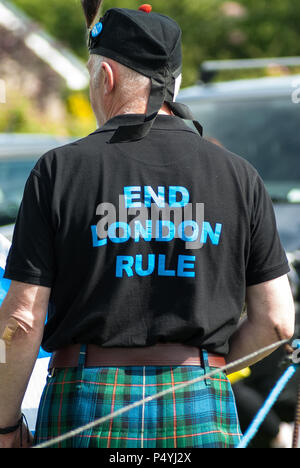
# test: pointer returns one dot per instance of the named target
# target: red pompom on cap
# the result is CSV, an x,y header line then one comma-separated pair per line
x,y
146,8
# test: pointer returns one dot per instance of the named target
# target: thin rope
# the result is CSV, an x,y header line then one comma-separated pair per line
x,y
297,422
125,409
261,415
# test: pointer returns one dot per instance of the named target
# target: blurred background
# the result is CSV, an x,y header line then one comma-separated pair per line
x,y
38,39
241,77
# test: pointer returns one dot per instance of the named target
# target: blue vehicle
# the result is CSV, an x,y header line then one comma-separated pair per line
x,y
18,155
258,119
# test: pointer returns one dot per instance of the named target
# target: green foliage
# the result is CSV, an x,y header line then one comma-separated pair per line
x,y
272,28
21,115
63,20
212,30
268,29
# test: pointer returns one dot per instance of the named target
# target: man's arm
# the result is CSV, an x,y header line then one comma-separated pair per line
x,y
22,319
270,307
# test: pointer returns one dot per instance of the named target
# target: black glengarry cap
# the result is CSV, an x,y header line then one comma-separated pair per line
x,y
150,44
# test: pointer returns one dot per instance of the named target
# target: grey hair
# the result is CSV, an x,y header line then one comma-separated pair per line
x,y
130,78
135,88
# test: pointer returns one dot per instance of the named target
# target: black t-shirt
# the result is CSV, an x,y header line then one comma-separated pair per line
x,y
118,233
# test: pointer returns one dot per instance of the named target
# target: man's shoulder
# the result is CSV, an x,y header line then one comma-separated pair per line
x,y
67,154
73,147
224,158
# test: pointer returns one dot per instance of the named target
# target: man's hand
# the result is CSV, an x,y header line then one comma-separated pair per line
x,y
13,440
27,305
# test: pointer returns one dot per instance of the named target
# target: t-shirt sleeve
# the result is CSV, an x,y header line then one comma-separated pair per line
x,y
267,259
31,257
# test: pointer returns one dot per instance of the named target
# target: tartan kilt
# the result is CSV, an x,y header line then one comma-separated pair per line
x,y
199,416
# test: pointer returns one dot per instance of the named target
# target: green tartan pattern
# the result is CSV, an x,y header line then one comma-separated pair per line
x,y
202,415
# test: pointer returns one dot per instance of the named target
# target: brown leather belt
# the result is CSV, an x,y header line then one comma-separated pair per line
x,y
158,355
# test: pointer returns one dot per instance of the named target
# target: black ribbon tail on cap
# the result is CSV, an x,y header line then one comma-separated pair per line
x,y
128,133
159,90
184,112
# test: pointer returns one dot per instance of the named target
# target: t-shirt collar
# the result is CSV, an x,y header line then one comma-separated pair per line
x,y
162,122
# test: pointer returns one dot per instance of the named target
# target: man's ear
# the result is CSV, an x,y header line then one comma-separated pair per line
x,y
108,77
